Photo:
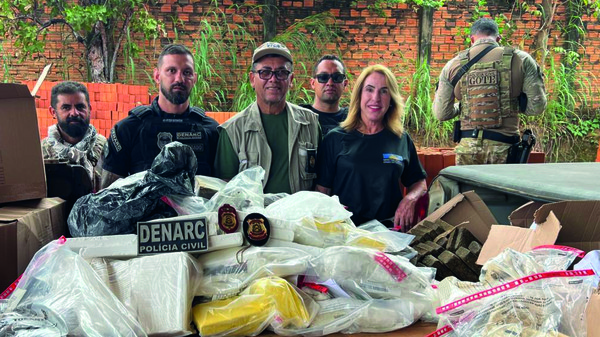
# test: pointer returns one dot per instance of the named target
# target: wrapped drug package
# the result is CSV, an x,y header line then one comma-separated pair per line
x,y
157,290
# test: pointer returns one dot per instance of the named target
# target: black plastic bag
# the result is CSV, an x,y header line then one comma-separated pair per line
x,y
118,208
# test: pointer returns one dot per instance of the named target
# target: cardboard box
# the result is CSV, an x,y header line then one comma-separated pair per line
x,y
568,223
467,210
21,164
25,227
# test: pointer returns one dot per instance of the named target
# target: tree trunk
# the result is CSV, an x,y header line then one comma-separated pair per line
x,y
95,60
269,20
425,33
540,44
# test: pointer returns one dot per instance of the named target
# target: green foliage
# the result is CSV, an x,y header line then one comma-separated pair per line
x,y
418,110
378,6
101,26
307,39
6,61
569,120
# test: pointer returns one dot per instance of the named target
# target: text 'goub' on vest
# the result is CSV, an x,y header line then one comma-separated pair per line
x,y
485,91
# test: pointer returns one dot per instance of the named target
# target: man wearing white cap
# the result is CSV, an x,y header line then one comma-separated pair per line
x,y
272,133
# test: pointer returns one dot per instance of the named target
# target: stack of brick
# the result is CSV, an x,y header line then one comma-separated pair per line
x,y
110,103
451,250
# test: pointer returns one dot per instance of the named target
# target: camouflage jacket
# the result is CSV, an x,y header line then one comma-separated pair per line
x,y
89,152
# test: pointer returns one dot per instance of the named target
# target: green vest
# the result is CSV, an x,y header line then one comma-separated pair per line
x,y
249,140
485,91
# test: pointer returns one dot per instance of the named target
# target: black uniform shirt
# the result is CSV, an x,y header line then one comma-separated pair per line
x,y
365,171
135,141
328,121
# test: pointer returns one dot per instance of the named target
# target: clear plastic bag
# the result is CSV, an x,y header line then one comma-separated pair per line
x,y
157,290
227,272
542,304
554,257
243,191
267,301
60,285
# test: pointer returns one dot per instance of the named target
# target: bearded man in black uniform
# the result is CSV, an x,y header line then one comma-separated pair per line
x,y
135,141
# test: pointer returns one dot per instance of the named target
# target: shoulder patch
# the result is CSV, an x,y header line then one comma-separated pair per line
x,y
198,111
115,140
140,111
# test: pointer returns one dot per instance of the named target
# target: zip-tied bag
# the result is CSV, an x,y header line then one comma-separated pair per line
x,y
543,304
59,294
508,266
267,301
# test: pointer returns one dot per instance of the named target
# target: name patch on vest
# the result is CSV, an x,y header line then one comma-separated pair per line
x,y
172,120
486,77
189,135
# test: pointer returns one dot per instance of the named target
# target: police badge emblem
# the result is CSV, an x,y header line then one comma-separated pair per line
x,y
228,219
163,138
256,229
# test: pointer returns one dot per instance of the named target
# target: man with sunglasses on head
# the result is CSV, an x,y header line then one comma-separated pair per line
x,y
272,133
135,141
329,82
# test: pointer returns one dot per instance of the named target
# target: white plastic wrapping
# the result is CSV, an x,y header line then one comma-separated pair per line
x,y
243,191
157,290
379,275
227,272
544,304
61,289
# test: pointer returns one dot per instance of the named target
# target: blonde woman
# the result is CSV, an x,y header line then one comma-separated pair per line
x,y
368,159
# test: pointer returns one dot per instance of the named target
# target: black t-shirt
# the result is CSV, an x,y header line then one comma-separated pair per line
x,y
365,171
328,120
135,141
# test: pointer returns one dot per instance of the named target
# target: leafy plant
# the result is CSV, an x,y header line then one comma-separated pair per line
x,y
100,27
307,39
419,110
379,6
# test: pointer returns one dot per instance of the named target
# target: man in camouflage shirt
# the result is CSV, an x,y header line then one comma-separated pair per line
x,y
504,82
73,139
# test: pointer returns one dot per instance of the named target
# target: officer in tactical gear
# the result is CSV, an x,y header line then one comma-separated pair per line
x,y
493,84
135,141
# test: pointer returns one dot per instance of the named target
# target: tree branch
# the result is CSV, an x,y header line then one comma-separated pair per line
x,y
102,29
118,46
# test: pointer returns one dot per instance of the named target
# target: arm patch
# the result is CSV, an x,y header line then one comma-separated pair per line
x,y
115,140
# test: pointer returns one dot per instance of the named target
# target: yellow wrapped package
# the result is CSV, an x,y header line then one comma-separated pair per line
x,y
246,315
267,300
290,308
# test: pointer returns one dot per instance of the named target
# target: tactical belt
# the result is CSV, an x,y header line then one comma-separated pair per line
x,y
490,135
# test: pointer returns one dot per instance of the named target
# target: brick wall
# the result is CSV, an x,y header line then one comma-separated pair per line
x,y
110,103
368,38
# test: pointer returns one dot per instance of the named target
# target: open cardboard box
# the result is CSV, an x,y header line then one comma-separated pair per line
x,y
569,223
22,174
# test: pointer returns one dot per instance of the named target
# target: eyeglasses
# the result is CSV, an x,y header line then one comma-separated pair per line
x,y
266,74
336,77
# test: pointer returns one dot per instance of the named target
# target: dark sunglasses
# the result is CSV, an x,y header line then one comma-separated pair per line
x,y
336,77
266,74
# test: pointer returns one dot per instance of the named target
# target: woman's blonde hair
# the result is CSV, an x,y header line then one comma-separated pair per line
x,y
393,117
